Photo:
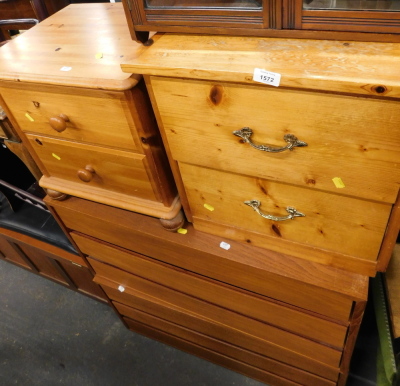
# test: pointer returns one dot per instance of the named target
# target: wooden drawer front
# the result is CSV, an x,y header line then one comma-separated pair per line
x,y
348,137
254,269
341,224
246,357
199,324
115,170
260,308
171,334
261,334
94,116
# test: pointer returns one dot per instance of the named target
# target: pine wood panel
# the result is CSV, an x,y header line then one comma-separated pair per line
x,y
115,170
351,138
245,303
200,349
69,38
331,66
320,288
219,317
95,116
331,222
157,317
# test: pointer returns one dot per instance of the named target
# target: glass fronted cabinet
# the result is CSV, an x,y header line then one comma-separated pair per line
x,y
369,20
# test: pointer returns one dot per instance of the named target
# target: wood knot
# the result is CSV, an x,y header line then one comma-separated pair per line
x,y
379,89
276,230
216,94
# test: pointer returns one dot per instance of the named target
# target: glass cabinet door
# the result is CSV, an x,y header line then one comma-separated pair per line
x,y
376,20
366,16
203,4
353,5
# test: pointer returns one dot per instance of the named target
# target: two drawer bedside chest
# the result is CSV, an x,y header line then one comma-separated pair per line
x,y
310,168
89,126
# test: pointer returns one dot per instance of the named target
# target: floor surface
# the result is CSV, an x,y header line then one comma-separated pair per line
x,y
50,335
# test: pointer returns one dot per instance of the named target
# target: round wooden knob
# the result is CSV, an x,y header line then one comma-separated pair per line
x,y
86,174
55,195
59,123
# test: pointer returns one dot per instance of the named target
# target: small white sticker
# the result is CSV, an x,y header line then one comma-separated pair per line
x,y
65,68
121,288
266,77
224,245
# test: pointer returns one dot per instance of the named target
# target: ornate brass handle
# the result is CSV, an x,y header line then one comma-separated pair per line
x,y
59,123
245,133
255,204
86,174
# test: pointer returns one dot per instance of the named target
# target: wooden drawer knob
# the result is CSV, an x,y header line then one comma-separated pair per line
x,y
59,123
86,174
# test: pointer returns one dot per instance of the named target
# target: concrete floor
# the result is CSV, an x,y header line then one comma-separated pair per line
x,y
50,335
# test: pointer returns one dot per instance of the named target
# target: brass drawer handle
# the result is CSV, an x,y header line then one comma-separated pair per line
x,y
255,204
59,123
245,133
86,174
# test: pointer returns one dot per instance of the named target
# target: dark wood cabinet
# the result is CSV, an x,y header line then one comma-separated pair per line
x,y
49,261
370,20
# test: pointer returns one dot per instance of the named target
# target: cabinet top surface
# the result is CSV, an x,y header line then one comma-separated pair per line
x,y
82,45
338,66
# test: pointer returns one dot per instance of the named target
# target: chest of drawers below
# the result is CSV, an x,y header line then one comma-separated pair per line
x,y
267,310
221,322
236,358
273,317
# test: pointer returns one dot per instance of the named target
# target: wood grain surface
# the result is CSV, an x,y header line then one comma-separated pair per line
x,y
331,222
82,45
347,137
95,116
114,170
246,303
218,346
295,281
222,323
197,344
334,66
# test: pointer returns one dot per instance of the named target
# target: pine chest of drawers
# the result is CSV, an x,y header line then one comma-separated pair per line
x,y
310,168
89,126
276,318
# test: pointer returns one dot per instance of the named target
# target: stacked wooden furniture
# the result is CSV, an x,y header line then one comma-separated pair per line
x,y
309,168
329,130
266,308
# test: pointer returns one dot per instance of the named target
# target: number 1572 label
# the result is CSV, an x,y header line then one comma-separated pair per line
x,y
266,77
